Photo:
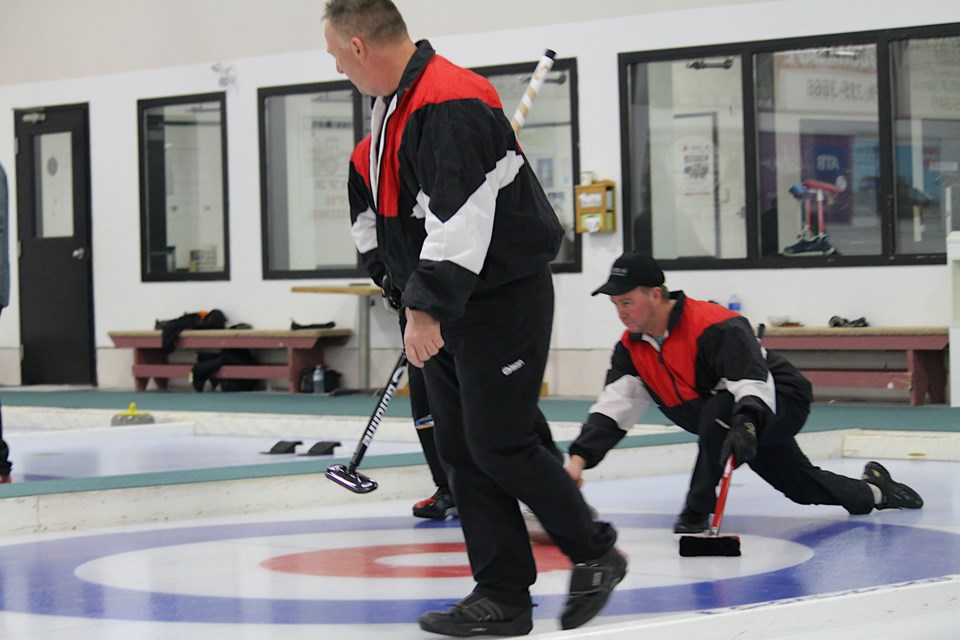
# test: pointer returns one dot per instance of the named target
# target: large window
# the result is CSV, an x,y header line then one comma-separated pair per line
x,y
686,146
183,188
839,150
818,144
926,89
307,135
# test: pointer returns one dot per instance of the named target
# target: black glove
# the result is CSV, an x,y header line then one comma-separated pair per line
x,y
391,294
741,441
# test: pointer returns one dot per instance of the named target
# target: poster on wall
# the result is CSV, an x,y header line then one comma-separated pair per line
x,y
695,184
826,159
697,172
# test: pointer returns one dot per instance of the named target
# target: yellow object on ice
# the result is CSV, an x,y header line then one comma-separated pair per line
x,y
131,416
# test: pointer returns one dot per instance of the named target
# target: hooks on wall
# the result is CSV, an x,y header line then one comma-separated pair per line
x,y
226,74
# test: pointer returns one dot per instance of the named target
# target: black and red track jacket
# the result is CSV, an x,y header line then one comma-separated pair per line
x,y
707,349
452,206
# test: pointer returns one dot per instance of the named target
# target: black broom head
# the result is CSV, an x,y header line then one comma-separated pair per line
x,y
354,481
691,546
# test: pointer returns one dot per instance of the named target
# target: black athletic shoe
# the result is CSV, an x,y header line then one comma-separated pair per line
x,y
896,495
815,246
689,521
591,584
439,506
478,615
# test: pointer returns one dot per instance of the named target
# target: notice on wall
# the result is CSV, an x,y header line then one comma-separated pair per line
x,y
695,183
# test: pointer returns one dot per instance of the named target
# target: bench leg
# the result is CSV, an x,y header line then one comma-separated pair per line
x,y
929,376
149,356
300,359
141,383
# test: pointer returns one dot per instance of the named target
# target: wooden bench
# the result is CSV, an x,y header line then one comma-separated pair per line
x,y
304,349
925,349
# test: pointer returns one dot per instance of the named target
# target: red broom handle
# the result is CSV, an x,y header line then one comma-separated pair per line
x,y
722,498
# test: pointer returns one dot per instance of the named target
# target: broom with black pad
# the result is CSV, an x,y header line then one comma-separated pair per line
x,y
713,544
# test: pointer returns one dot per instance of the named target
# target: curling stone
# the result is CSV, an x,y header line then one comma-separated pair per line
x,y
131,416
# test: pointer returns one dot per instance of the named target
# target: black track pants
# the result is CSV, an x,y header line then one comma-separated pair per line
x,y
779,461
483,389
423,422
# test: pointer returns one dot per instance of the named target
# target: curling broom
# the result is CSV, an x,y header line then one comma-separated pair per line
x,y
347,476
713,544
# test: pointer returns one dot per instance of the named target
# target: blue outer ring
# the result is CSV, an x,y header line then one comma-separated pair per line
x,y
897,554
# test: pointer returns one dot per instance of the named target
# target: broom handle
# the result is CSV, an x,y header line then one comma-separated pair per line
x,y
727,472
533,88
722,498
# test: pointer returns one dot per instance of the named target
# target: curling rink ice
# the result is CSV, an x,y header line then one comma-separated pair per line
x,y
365,569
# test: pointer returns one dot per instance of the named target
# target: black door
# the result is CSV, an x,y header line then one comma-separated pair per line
x,y
53,215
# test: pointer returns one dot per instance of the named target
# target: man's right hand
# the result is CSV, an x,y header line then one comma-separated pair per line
x,y
741,441
421,338
575,468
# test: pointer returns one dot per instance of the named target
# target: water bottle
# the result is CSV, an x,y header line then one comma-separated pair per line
x,y
734,303
318,379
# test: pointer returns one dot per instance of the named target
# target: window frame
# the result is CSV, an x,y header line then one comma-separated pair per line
x,y
263,94
219,97
745,51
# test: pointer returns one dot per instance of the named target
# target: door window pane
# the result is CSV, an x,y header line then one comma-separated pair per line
x,y
818,146
183,188
308,137
687,196
54,189
926,79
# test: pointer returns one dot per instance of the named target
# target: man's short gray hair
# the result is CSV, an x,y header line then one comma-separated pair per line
x,y
375,21
663,290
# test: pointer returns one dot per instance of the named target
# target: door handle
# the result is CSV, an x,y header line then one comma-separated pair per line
x,y
79,253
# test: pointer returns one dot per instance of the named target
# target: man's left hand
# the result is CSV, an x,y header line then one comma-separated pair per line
x,y
741,441
390,294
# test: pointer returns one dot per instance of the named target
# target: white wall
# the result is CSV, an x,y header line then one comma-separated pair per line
x,y
810,296
55,39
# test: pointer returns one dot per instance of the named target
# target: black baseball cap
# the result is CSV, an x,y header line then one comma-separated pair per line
x,y
629,271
